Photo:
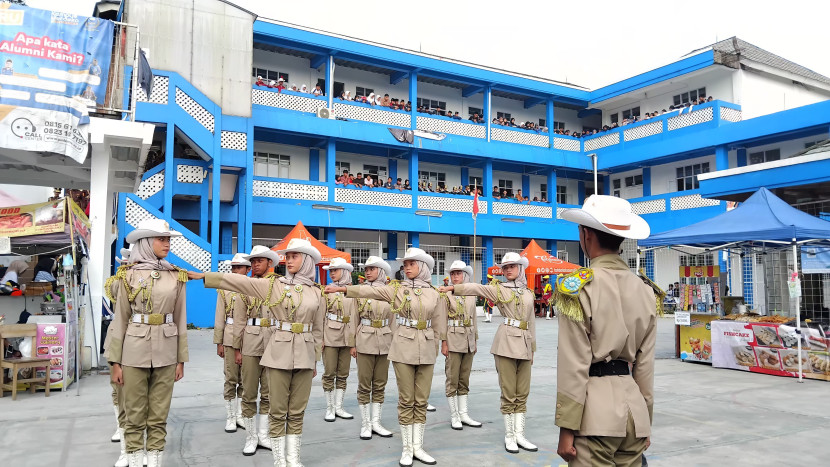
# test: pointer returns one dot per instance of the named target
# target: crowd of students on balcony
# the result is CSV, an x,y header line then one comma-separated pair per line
x,y
280,85
505,195
528,125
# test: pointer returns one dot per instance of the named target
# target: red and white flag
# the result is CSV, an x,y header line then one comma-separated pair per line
x,y
475,205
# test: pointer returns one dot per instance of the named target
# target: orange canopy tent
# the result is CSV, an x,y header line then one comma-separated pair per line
x,y
328,253
540,263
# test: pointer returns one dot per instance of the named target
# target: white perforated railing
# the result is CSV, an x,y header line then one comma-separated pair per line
x,y
274,189
679,203
286,101
642,131
234,140
150,185
158,93
440,203
649,206
190,173
452,127
566,144
195,110
520,137
730,114
603,141
375,198
371,114
523,210
689,119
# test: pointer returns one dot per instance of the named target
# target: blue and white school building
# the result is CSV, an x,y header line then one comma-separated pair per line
x,y
234,164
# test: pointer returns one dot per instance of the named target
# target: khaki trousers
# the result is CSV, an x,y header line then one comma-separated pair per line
x,y
147,395
609,450
372,375
118,400
289,397
457,367
254,380
514,380
336,361
233,375
414,382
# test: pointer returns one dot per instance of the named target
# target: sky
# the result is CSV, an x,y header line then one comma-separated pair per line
x,y
590,44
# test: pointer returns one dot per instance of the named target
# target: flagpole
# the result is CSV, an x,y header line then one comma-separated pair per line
x,y
475,243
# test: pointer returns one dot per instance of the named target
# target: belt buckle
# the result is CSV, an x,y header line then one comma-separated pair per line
x,y
377,323
155,319
346,320
468,322
421,325
297,328
523,325
264,322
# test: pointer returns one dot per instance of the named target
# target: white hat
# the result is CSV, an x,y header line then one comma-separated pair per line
x,y
240,259
299,245
378,262
339,263
125,252
609,214
151,228
513,258
418,254
261,251
461,266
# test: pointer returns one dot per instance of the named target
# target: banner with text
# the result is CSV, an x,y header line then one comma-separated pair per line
x,y
32,219
53,68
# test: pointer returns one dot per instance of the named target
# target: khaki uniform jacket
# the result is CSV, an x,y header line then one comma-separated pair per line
x,y
410,345
227,304
251,340
336,333
619,324
285,350
366,339
509,341
460,339
146,345
111,291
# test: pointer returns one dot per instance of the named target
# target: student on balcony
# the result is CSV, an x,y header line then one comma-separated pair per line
x,y
358,181
495,194
259,81
406,185
399,185
304,89
280,85
318,91
369,182
385,101
388,184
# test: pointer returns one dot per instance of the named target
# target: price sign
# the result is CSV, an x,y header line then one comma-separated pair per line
x,y
682,318
5,245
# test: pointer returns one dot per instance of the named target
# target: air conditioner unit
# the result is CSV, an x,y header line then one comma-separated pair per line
x,y
323,112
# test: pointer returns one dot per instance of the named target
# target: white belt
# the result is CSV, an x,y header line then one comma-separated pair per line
x,y
460,323
296,328
339,319
154,319
414,323
229,321
262,322
375,323
516,323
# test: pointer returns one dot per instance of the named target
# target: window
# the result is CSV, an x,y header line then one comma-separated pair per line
x,y
339,167
685,97
687,176
615,117
561,194
359,255
363,92
633,112
437,179
810,144
703,259
474,110
440,258
631,181
476,182
542,122
506,185
376,170
269,75
616,183
503,115
432,104
558,125
764,156
272,165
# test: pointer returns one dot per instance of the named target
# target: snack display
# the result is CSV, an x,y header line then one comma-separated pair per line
x,y
766,336
819,363
756,318
744,356
768,358
16,221
789,360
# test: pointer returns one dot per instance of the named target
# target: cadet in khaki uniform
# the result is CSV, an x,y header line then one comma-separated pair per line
x,y
459,348
148,347
297,307
513,345
414,344
336,358
227,305
251,334
370,337
607,326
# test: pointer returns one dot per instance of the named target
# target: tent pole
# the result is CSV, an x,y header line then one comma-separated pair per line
x,y
797,311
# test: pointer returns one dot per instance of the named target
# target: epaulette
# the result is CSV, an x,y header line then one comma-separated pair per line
x,y
494,282
182,274
108,287
566,293
659,294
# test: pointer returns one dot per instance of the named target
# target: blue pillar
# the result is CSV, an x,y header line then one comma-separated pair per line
x,y
552,244
331,237
549,120
216,202
487,179
392,244
330,80
314,165
393,170
647,182
487,110
580,192
551,194
413,170
487,261
245,226
526,185
741,157
748,279
415,239
413,113
606,184
226,234
721,158
169,171
331,157
649,266
204,215
465,176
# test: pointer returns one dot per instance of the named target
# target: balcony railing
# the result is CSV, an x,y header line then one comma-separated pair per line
x,y
677,201
452,126
290,100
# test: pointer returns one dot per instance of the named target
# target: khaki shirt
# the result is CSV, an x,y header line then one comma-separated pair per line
x,y
517,304
227,304
619,324
251,340
285,350
335,333
461,339
110,290
147,345
409,345
368,339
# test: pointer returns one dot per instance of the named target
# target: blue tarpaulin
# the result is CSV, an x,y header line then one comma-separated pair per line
x,y
762,218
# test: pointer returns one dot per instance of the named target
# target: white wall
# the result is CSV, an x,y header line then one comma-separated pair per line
x,y
571,185
568,117
298,68
517,110
630,192
787,148
764,94
298,169
516,178
26,194
664,177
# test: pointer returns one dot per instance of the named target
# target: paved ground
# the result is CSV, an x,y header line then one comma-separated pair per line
x,y
703,416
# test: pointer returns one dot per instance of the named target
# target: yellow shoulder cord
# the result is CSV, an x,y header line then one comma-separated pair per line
x,y
659,294
108,288
182,274
566,293
515,298
286,294
335,304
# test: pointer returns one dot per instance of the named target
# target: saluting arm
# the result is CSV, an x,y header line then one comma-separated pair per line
x,y
487,291
385,293
251,286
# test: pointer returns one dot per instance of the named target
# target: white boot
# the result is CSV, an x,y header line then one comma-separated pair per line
x,y
292,450
154,458
406,439
123,459
455,420
116,437
278,448
264,439
339,394
230,420
430,407
330,417
365,421
418,445
250,436
376,426
462,413
144,460
519,428
509,436
136,458
240,421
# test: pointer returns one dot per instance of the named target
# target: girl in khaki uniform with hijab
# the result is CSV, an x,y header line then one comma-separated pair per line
x,y
336,359
370,336
148,347
297,307
459,348
513,344
227,305
414,345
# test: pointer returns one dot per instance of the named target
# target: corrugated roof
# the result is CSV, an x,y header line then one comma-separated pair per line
x,y
727,51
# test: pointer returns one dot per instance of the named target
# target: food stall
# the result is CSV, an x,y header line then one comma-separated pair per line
x,y
697,306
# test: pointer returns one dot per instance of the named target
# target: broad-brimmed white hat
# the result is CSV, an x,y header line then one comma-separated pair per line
x,y
339,263
300,245
378,262
609,214
513,258
125,255
149,228
459,265
262,251
418,254
240,259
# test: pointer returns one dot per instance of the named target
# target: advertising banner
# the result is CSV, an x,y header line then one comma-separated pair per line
x,y
56,342
696,339
80,223
32,219
815,260
53,67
